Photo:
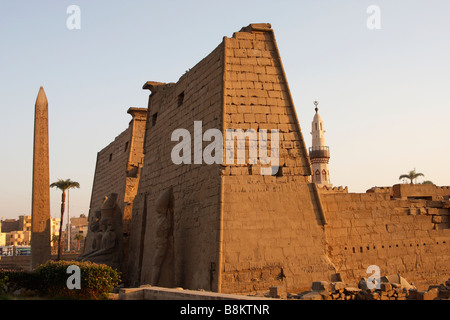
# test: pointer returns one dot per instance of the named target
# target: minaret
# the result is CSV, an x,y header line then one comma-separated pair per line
x,y
319,153
40,212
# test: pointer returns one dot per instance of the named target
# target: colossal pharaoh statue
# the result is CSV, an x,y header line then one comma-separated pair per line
x,y
106,229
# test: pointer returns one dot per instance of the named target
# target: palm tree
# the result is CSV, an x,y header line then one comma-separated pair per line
x,y
63,185
79,237
411,176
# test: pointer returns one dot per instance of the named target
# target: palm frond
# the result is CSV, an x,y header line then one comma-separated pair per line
x,y
65,184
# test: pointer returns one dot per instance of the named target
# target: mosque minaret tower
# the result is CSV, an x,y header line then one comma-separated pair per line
x,y
319,153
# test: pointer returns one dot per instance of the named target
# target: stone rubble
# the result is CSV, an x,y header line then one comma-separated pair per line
x,y
391,288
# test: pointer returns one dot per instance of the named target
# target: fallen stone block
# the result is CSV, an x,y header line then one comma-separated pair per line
x,y
361,296
335,296
396,285
384,286
351,290
444,293
413,294
278,292
325,295
321,285
374,296
362,284
313,295
336,286
428,295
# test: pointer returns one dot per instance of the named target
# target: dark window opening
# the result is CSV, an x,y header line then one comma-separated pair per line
x,y
126,146
180,99
154,117
110,156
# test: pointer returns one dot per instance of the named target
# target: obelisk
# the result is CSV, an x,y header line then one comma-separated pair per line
x,y
40,211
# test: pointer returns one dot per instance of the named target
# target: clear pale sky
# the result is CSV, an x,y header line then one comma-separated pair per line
x,y
384,94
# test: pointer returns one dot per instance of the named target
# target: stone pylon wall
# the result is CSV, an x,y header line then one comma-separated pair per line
x,y
231,224
117,171
272,232
191,260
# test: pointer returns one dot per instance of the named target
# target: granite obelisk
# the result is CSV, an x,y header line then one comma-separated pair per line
x,y
40,211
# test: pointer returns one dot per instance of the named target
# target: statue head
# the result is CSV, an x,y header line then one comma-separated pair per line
x,y
109,212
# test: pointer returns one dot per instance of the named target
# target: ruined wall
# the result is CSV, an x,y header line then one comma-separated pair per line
x,y
411,237
420,191
191,259
272,229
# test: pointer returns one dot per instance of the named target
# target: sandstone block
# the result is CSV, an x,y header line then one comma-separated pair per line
x,y
278,292
396,285
321,286
335,296
422,211
363,284
385,286
326,297
336,286
374,296
437,219
428,295
314,295
444,292
243,36
361,296
246,44
413,294
351,290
